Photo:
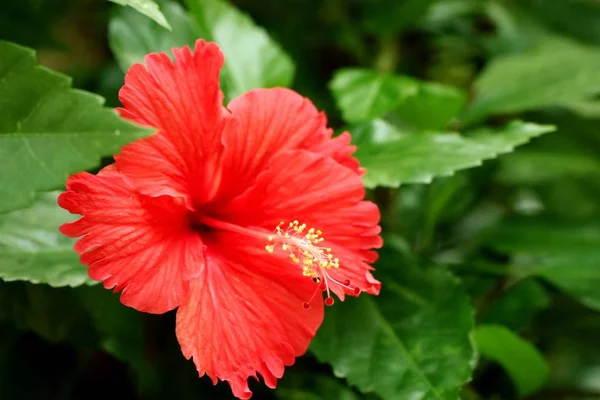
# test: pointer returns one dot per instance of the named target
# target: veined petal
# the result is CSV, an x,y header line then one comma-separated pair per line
x,y
245,314
271,121
340,149
136,244
316,190
182,99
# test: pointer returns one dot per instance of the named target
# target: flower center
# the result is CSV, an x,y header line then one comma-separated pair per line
x,y
302,244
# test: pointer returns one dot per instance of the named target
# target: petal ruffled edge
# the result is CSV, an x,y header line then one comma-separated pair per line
x,y
272,121
245,314
135,244
183,100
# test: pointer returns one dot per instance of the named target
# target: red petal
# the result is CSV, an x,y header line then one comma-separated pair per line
x,y
244,314
340,149
271,121
134,243
314,189
183,101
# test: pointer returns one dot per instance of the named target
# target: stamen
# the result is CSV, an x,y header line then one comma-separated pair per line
x,y
302,244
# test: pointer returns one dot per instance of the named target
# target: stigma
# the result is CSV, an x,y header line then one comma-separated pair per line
x,y
304,247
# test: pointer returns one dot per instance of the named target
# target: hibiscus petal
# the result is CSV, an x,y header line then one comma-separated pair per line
x,y
182,99
245,314
139,245
315,190
271,121
340,149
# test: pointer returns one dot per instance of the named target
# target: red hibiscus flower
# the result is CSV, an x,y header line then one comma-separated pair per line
x,y
246,218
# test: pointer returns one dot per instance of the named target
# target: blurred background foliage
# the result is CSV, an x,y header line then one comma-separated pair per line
x,y
491,275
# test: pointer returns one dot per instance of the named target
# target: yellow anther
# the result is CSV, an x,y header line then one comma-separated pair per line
x,y
304,248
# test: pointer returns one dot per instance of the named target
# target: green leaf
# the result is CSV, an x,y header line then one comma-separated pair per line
x,y
376,131
575,18
530,235
418,158
566,255
32,249
363,94
522,361
535,167
517,307
49,130
253,59
131,36
147,7
431,107
412,341
556,72
576,273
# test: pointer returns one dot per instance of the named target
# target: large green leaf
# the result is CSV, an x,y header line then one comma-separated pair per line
x,y
132,36
147,7
431,107
413,341
47,129
418,158
567,255
32,249
253,59
556,72
363,94
522,361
